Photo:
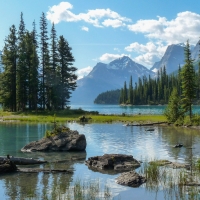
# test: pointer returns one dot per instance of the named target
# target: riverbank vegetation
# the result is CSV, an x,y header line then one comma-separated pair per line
x,y
74,115
175,181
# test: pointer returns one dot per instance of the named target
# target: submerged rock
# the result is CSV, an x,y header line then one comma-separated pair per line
x,y
117,162
131,179
64,141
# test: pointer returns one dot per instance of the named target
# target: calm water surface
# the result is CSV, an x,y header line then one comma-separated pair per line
x,y
101,139
117,109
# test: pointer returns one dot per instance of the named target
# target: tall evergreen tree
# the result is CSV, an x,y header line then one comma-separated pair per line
x,y
45,81
188,81
125,97
130,91
55,76
22,71
173,110
66,71
32,63
8,78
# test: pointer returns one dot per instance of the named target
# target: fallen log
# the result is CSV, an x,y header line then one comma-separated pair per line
x,y
147,124
21,160
37,170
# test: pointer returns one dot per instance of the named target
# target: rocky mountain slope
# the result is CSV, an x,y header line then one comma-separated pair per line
x,y
105,77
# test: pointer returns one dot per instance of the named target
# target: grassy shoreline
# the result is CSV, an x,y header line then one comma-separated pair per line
x,y
62,117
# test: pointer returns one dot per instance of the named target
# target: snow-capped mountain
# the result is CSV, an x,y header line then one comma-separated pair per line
x,y
105,77
173,57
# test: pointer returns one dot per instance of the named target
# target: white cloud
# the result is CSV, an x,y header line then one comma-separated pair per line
x,y
110,57
185,26
97,17
83,72
84,28
115,23
149,53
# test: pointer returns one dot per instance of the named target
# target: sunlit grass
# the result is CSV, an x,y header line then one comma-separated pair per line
x,y
75,117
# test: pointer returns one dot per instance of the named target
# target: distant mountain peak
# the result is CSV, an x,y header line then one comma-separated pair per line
x,y
120,63
181,44
105,77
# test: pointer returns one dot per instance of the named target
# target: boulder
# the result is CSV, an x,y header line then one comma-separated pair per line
x,y
117,162
7,166
64,141
131,179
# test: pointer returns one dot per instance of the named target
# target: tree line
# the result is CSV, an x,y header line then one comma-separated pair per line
x,y
38,71
157,90
109,97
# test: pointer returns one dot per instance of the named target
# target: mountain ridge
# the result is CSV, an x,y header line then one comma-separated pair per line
x,y
109,76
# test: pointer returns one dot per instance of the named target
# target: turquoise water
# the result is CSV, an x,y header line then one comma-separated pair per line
x,y
101,138
132,110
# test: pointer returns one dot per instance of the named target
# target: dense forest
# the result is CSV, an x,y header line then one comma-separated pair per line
x,y
109,97
154,90
38,70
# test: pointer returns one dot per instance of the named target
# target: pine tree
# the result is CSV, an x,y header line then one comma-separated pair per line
x,y
32,63
188,81
66,71
130,96
8,78
22,71
55,76
125,94
45,82
173,110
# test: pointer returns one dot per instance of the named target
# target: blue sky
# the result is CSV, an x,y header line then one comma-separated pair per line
x,y
103,30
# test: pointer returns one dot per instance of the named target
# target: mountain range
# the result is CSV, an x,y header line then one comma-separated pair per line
x,y
105,77
112,76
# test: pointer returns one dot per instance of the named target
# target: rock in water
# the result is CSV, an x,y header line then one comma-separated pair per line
x,y
131,179
117,162
7,166
64,141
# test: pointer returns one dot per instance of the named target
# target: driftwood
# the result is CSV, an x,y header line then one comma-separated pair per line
x,y
22,161
37,170
147,124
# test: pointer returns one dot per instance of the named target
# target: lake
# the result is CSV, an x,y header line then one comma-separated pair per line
x,y
101,138
130,110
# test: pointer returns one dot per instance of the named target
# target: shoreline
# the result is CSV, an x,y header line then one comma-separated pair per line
x,y
127,120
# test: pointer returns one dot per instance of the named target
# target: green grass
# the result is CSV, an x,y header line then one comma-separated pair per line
x,y
173,182
62,118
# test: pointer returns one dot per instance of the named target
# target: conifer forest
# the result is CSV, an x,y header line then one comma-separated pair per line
x,y
38,71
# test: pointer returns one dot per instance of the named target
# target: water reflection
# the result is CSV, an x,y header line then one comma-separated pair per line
x,y
101,138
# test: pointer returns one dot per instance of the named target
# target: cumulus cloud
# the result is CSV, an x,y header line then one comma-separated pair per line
x,y
110,57
84,28
83,72
96,17
115,23
149,53
185,26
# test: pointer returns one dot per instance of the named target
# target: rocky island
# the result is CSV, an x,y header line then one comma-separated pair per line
x,y
62,140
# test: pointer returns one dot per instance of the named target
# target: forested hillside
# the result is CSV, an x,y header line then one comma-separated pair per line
x,y
109,97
